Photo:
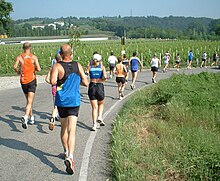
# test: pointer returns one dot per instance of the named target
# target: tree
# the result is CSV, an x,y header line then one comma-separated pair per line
x,y
5,10
74,36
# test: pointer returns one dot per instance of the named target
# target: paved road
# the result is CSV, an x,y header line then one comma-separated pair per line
x,y
35,153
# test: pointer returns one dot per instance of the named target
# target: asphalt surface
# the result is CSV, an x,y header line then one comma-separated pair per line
x,y
36,153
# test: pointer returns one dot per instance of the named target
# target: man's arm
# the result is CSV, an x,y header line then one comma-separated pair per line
x,y
84,80
140,63
17,70
54,74
36,63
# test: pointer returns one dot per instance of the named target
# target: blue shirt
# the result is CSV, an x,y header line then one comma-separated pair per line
x,y
68,88
134,64
190,55
96,72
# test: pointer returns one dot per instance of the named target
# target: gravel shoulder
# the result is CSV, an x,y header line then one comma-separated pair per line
x,y
14,81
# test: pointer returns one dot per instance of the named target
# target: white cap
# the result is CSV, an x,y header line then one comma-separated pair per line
x,y
123,52
97,57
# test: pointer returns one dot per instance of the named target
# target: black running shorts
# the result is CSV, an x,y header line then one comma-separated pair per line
x,y
29,87
96,91
154,69
68,111
120,80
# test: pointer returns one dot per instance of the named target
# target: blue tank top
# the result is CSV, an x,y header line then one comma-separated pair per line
x,y
68,88
96,72
134,64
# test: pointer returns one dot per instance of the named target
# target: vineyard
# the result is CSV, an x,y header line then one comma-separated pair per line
x,y
83,52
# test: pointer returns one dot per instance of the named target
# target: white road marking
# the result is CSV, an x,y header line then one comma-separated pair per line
x,y
87,152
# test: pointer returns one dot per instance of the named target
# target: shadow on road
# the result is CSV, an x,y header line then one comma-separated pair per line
x,y
19,145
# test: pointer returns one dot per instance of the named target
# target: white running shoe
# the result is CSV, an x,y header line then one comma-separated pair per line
x,y
31,120
100,121
94,127
24,121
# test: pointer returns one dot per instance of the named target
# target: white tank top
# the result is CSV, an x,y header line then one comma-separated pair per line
x,y
154,62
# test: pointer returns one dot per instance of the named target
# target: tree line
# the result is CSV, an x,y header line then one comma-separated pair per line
x,y
132,27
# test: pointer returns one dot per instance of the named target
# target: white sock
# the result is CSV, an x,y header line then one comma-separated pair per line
x,y
70,156
25,117
100,117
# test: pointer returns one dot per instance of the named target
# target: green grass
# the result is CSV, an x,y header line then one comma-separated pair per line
x,y
170,131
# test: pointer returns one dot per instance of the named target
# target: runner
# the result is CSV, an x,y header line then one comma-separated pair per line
x,y
215,59
177,65
134,61
204,57
28,65
55,114
121,72
154,67
68,75
166,61
112,60
125,62
96,91
190,57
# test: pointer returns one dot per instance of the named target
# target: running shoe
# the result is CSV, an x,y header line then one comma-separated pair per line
x,y
94,127
132,87
122,94
69,165
24,122
100,121
52,123
31,120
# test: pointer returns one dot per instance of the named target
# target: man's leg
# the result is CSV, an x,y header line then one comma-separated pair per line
x,y
72,120
30,99
64,133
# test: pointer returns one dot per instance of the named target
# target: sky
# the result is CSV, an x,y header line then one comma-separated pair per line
x,y
24,9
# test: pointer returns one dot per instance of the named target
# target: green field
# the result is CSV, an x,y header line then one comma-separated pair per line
x,y
169,131
83,52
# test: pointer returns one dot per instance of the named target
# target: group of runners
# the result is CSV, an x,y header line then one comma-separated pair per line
x,y
66,76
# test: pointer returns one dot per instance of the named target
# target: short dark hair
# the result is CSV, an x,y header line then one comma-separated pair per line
x,y
134,53
26,45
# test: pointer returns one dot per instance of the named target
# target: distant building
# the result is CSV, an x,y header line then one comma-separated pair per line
x,y
42,26
61,23
53,25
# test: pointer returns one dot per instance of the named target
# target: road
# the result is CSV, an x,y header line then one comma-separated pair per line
x,y
36,153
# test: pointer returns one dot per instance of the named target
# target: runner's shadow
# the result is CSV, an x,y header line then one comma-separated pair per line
x,y
11,122
19,145
82,125
43,115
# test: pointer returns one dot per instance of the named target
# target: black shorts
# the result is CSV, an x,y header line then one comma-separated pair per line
x,y
177,62
203,60
68,111
96,91
111,66
154,69
29,87
120,80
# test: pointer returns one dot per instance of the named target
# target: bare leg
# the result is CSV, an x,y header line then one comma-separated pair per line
x,y
64,132
30,99
100,107
94,104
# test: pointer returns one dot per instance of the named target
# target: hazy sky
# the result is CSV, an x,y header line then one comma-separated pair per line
x,y
24,9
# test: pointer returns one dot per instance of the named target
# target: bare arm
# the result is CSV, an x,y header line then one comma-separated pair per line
x,y
17,70
54,74
104,73
84,80
47,78
36,63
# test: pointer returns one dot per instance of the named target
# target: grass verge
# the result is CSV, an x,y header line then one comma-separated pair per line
x,y
170,131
